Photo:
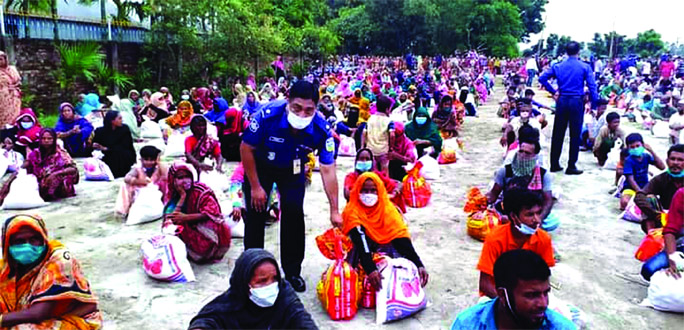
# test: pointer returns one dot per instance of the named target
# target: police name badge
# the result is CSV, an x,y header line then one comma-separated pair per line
x,y
296,166
254,125
330,144
271,155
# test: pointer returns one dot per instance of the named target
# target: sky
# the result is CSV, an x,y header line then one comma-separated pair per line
x,y
579,19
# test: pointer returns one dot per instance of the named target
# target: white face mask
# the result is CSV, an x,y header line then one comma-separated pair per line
x,y
26,125
264,296
298,122
185,97
369,199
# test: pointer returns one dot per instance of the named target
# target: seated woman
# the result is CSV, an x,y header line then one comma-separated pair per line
x,y
149,170
444,117
73,130
129,108
200,145
402,152
181,119
251,106
231,136
217,115
115,141
365,162
258,298
91,102
424,133
56,172
372,223
41,283
28,131
194,206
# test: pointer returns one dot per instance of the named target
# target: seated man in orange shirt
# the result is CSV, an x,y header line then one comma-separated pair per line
x,y
522,232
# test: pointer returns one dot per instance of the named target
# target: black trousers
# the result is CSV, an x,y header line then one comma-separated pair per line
x,y
291,188
569,113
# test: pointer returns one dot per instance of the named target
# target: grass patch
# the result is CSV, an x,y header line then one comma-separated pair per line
x,y
48,120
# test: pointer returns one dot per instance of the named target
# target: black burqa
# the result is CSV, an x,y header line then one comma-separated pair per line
x,y
234,310
120,154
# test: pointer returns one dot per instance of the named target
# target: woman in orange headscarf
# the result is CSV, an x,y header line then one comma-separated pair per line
x,y
182,117
373,222
41,283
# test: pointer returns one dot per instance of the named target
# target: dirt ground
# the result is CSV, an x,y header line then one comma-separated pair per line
x,y
597,249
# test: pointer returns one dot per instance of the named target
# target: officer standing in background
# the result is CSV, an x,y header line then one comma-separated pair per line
x,y
274,149
571,76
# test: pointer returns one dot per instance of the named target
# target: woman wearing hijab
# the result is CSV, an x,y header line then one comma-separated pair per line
x,y
181,119
217,115
56,172
252,105
129,108
240,95
28,131
231,137
373,223
115,141
444,117
147,97
41,283
424,133
91,102
10,95
74,131
204,98
194,206
158,100
200,145
266,94
258,298
364,159
402,152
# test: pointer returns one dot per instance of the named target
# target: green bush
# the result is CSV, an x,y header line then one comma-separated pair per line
x,y
47,120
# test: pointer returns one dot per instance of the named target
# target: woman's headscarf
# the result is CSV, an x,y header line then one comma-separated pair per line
x,y
182,117
173,171
31,135
428,131
382,222
251,107
204,98
157,99
91,102
234,122
234,309
75,144
51,149
56,278
401,144
218,111
146,96
110,116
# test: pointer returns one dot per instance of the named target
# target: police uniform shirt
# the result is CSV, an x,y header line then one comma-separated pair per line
x,y
276,146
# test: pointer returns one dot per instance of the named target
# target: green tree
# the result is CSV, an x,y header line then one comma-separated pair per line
x,y
598,45
531,14
649,43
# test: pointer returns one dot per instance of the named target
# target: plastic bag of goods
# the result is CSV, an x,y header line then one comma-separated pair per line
x,y
165,259
338,290
23,193
147,207
401,294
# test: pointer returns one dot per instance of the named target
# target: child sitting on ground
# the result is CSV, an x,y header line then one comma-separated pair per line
x,y
379,133
149,170
607,136
636,166
15,159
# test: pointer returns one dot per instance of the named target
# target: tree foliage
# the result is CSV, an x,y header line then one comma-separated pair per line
x,y
646,44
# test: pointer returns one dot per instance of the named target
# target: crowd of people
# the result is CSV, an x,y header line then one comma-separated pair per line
x,y
392,112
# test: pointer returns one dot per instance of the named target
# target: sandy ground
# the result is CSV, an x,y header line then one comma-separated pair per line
x,y
594,244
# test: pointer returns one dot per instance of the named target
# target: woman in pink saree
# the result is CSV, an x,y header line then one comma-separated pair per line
x,y
194,207
10,95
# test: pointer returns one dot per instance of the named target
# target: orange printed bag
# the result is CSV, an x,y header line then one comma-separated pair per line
x,y
415,190
481,220
653,243
338,289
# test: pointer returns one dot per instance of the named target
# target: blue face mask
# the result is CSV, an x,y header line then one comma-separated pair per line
x,y
525,229
364,166
421,120
637,152
676,175
26,253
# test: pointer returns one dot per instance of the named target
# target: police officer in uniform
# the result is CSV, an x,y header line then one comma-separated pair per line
x,y
274,149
